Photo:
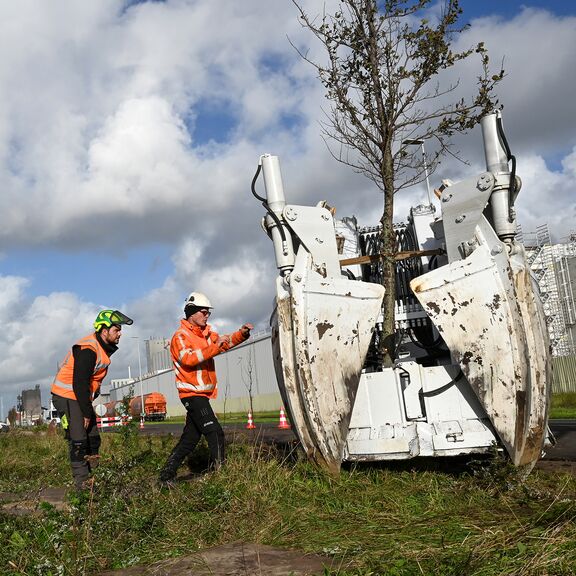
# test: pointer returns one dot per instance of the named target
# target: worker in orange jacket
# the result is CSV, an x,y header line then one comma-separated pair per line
x,y
193,347
77,384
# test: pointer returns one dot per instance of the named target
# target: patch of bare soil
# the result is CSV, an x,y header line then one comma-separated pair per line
x,y
29,503
235,559
557,466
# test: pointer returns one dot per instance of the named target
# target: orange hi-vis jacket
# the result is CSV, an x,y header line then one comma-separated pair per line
x,y
193,350
62,385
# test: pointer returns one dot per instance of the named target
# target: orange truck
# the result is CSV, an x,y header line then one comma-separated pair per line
x,y
154,406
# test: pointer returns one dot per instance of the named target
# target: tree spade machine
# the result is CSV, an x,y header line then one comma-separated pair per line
x,y
472,364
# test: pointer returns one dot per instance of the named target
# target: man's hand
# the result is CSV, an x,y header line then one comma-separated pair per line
x,y
246,330
87,422
224,341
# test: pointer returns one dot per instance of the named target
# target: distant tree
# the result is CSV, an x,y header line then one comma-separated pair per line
x,y
123,407
12,416
247,367
129,428
382,81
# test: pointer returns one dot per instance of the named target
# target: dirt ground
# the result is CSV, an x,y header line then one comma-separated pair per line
x,y
236,559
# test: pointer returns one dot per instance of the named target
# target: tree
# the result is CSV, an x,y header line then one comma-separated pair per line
x,y
382,78
248,371
12,416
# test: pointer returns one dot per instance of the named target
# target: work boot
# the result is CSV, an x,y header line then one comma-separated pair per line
x,y
167,474
170,469
167,484
80,473
93,461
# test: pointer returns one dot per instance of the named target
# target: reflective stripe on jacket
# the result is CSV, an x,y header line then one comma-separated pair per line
x,y
193,350
62,385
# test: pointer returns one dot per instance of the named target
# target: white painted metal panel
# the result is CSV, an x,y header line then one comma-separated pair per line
x,y
487,312
322,333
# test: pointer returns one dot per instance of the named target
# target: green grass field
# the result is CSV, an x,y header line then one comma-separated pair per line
x,y
408,519
563,405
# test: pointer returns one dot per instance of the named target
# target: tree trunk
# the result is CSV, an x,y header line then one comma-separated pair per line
x,y
388,341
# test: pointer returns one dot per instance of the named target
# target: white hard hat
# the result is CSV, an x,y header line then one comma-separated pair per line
x,y
198,299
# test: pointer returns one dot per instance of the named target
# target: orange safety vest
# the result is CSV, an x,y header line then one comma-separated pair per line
x,y
192,351
62,385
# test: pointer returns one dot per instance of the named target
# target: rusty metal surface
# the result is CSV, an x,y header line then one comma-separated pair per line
x,y
486,309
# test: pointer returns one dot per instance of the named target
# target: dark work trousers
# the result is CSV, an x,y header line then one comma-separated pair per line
x,y
200,421
83,442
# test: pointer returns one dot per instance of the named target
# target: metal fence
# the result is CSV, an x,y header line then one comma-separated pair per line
x,y
563,374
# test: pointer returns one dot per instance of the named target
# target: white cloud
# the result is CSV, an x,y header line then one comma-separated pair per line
x,y
552,189
36,334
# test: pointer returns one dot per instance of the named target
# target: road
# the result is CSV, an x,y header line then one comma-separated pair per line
x,y
564,432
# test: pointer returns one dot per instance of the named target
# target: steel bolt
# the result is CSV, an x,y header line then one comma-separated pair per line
x,y
484,182
290,214
460,219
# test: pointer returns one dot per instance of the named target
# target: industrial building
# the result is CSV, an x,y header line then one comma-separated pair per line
x,y
29,407
554,267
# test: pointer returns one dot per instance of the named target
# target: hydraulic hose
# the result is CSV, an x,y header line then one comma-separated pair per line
x,y
443,388
512,159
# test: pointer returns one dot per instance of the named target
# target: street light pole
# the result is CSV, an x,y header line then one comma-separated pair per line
x,y
421,144
140,375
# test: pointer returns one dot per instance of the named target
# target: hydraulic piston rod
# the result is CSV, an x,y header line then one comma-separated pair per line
x,y
497,162
282,239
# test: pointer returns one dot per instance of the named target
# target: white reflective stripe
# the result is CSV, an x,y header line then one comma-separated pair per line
x,y
199,378
98,350
181,341
198,353
187,386
61,384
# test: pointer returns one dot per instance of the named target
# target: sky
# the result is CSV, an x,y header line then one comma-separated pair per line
x,y
130,132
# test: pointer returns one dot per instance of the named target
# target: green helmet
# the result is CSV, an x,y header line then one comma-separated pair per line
x,y
109,318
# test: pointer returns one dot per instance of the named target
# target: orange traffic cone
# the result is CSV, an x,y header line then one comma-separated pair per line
x,y
141,423
250,425
284,425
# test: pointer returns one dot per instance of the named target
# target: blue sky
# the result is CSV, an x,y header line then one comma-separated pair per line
x,y
507,9
130,132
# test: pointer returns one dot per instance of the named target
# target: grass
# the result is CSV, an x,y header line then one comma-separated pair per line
x,y
563,405
236,418
481,520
